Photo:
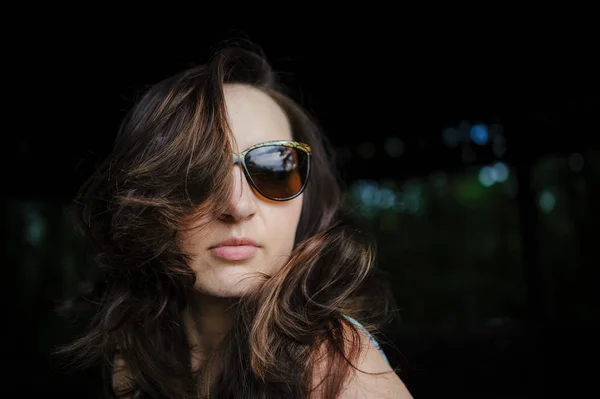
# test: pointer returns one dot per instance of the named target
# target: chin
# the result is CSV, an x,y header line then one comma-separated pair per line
x,y
230,284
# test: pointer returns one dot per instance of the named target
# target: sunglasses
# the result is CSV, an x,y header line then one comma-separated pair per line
x,y
278,170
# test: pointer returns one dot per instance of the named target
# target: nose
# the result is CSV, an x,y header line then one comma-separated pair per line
x,y
242,202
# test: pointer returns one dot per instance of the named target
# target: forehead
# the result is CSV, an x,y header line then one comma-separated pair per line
x,y
254,117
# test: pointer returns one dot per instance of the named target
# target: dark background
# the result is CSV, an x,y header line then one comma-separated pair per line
x,y
474,161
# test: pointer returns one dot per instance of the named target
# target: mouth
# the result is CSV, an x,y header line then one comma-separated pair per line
x,y
235,249
234,252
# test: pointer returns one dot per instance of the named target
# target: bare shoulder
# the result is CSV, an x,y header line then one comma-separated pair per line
x,y
373,376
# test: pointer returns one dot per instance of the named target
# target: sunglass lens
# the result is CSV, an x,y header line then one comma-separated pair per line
x,y
279,172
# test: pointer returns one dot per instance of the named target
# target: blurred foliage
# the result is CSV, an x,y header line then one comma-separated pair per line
x,y
568,191
451,244
44,261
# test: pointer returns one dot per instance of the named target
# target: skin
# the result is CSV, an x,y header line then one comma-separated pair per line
x,y
253,118
360,385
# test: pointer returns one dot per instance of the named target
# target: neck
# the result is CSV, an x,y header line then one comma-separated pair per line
x,y
208,319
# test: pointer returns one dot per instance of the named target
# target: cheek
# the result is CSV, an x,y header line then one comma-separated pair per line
x,y
283,223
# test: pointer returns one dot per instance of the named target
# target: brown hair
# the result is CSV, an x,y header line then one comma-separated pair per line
x,y
171,159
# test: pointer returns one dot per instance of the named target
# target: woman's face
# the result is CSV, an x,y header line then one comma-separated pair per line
x,y
227,271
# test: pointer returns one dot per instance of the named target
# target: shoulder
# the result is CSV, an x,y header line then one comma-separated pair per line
x,y
368,335
372,376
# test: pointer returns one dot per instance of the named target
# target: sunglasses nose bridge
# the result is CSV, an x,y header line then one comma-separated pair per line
x,y
237,158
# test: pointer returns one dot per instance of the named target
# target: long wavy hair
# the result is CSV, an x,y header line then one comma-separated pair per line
x,y
172,161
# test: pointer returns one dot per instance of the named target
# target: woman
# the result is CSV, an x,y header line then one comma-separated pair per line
x,y
225,270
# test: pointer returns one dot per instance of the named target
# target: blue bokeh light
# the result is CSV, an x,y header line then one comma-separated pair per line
x,y
479,134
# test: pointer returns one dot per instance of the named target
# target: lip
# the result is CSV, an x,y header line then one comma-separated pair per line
x,y
235,249
236,241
